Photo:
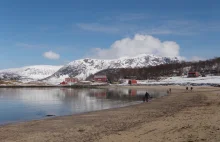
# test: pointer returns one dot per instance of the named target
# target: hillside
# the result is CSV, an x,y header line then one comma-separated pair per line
x,y
28,73
208,67
86,67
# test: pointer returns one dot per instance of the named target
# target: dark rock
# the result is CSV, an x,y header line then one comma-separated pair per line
x,y
50,115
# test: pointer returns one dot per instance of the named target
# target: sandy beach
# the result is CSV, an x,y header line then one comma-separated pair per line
x,y
179,117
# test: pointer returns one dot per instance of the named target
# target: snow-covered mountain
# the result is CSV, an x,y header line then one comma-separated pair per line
x,y
85,67
29,73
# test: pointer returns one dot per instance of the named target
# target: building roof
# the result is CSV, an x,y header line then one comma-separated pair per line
x,y
193,72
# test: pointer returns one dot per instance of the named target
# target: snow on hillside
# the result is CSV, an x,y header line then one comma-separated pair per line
x,y
29,73
85,67
198,80
208,80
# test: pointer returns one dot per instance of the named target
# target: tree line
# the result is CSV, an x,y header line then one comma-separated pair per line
x,y
211,66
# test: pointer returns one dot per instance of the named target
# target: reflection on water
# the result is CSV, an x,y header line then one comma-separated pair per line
x,y
20,104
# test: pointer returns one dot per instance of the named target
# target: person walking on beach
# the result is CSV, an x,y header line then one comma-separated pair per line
x,y
191,88
146,97
187,88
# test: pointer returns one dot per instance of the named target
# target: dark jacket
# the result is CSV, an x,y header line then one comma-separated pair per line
x,y
147,96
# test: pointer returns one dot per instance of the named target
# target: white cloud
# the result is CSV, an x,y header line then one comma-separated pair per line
x,y
139,44
51,55
95,27
127,28
30,46
127,17
25,45
128,24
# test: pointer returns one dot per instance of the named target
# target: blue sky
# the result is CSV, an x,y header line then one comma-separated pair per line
x,y
56,32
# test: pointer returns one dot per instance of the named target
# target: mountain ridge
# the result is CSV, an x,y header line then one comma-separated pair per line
x,y
83,68
28,73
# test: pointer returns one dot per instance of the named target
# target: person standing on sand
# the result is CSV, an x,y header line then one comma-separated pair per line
x,y
146,97
191,88
187,88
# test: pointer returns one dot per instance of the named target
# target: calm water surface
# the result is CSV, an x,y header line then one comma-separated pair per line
x,y
22,104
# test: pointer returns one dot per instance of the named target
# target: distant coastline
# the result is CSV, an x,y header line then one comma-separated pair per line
x,y
108,85
51,86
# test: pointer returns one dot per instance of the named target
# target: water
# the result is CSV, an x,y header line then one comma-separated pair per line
x,y
22,104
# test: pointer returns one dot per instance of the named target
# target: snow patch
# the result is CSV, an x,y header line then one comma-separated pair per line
x,y
29,73
83,68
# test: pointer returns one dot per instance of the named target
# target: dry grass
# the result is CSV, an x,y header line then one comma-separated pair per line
x,y
6,82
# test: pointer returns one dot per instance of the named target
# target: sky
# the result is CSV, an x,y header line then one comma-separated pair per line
x,y
55,32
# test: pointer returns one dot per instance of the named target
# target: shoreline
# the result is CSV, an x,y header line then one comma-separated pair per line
x,y
111,85
70,115
146,121
52,86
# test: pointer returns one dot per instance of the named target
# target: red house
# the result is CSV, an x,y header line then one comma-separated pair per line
x,y
132,81
63,83
193,74
71,80
100,78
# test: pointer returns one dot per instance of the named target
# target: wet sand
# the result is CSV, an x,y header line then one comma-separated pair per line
x,y
180,117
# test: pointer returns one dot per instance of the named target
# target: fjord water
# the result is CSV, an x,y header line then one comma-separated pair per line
x,y
22,104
